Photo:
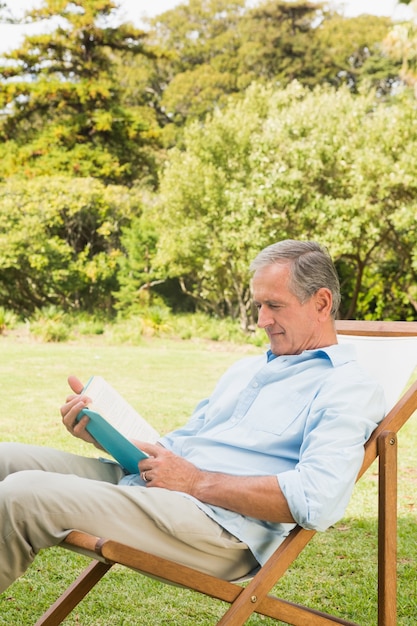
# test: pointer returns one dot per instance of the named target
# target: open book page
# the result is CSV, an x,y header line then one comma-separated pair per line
x,y
108,403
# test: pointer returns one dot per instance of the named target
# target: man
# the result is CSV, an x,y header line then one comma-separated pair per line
x,y
280,441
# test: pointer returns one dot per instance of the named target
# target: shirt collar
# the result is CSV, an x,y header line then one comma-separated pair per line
x,y
338,354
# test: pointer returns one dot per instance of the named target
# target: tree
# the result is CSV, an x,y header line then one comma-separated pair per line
x,y
61,100
293,163
279,42
351,53
60,242
401,45
198,72
217,48
136,284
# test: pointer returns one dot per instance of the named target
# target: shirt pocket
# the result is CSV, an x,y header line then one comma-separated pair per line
x,y
270,415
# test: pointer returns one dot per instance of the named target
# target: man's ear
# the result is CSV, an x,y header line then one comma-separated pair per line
x,y
324,302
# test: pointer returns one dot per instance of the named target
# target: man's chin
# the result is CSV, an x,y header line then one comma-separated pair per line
x,y
276,347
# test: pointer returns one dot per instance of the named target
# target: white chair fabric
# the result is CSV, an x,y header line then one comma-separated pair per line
x,y
390,360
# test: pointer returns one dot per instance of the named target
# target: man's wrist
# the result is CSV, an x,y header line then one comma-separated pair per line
x,y
203,484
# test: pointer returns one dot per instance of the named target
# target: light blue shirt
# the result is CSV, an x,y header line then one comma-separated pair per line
x,y
304,418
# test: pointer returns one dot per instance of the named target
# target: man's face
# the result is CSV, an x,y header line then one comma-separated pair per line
x,y
290,325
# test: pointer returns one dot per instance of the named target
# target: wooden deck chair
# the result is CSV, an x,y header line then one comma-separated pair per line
x,y
255,596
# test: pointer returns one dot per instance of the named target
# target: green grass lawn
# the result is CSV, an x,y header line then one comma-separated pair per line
x,y
164,379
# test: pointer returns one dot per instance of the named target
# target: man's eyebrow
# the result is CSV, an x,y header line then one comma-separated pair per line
x,y
269,302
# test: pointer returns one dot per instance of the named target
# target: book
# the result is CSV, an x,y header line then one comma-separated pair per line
x,y
113,422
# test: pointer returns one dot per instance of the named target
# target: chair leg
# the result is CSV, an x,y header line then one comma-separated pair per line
x,y
58,611
387,530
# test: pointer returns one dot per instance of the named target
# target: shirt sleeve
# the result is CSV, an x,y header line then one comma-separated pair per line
x,y
342,417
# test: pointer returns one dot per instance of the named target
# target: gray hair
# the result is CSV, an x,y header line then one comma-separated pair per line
x,y
311,268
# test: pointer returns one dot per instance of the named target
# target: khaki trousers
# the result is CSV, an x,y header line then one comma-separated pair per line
x,y
46,493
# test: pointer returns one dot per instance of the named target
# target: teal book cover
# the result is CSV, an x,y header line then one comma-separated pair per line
x,y
120,448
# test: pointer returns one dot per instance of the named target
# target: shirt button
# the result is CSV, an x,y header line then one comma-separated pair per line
x,y
255,385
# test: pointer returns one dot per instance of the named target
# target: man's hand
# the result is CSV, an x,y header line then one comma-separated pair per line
x,y
167,470
256,496
69,411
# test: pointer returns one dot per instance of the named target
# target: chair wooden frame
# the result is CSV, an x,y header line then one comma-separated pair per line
x,y
255,596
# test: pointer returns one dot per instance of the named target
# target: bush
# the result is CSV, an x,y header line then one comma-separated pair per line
x,y
8,320
50,324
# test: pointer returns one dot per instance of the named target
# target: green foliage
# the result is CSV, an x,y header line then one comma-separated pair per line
x,y
134,276
200,71
219,48
60,241
294,163
280,42
50,325
400,44
275,159
200,325
53,325
62,102
8,320
351,53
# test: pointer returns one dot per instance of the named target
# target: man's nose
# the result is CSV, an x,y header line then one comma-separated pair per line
x,y
264,317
